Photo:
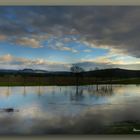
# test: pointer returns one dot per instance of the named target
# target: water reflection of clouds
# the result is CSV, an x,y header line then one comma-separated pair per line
x,y
33,120
4,92
56,113
129,89
127,94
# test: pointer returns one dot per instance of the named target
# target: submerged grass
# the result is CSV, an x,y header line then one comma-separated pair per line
x,y
126,127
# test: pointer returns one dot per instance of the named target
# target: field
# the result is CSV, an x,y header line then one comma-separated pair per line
x,y
61,80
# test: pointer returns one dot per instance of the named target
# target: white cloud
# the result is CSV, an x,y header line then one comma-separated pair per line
x,y
87,50
60,46
113,59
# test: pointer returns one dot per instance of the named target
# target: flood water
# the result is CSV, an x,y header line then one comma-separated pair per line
x,y
66,110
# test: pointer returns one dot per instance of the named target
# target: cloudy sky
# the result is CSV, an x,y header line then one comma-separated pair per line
x,y
54,38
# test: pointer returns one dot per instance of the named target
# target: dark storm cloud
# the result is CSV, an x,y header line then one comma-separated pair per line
x,y
114,26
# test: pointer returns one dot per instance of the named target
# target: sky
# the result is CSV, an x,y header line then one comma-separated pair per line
x,y
54,38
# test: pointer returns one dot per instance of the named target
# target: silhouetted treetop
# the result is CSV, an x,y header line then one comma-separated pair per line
x,y
76,69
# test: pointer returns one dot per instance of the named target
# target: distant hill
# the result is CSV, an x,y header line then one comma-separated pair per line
x,y
114,72
22,71
33,71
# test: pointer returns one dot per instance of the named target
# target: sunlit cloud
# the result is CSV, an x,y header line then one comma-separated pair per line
x,y
114,59
6,58
28,42
3,37
8,61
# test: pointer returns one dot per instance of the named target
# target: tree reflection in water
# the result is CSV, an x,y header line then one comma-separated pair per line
x,y
78,95
8,92
24,91
92,90
102,90
39,91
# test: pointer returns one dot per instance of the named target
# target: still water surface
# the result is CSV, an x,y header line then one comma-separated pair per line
x,y
64,110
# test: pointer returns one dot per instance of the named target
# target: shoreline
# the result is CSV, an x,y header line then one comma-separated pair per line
x,y
48,84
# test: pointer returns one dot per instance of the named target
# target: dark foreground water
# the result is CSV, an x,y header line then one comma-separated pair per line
x,y
66,110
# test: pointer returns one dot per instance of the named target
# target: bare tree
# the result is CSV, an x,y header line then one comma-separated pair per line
x,y
96,68
77,70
